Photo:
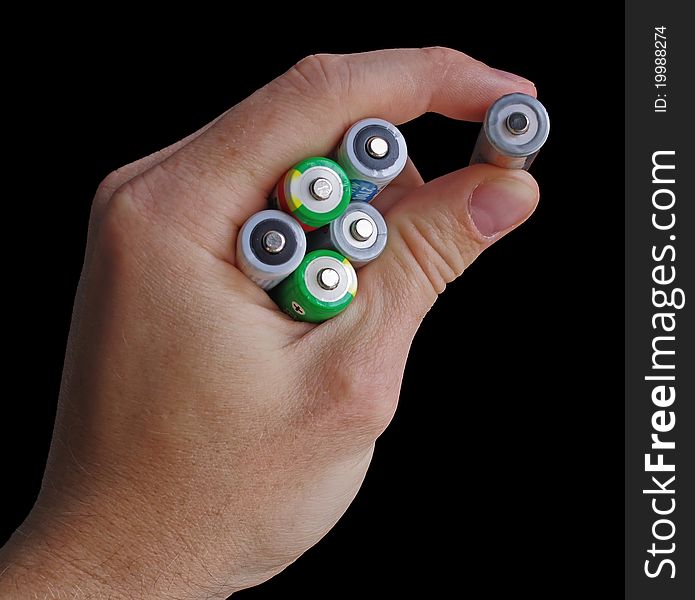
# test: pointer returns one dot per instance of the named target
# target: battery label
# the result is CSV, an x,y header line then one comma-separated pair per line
x,y
362,190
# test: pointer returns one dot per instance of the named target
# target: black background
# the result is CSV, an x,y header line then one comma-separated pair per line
x,y
503,465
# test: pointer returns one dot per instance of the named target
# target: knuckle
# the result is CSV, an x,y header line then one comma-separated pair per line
x,y
410,295
441,61
106,189
117,221
122,224
319,75
114,183
109,184
438,54
441,56
437,254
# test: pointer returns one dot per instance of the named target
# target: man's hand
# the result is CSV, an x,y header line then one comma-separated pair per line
x,y
204,440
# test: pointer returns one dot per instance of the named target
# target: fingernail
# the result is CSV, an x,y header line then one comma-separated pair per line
x,y
499,204
512,77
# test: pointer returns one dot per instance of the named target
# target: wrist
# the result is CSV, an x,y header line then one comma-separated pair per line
x,y
40,560
80,556
30,568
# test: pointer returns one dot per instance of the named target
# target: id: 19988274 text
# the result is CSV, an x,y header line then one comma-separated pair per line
x,y
660,69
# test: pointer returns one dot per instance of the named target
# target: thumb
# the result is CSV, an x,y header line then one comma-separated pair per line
x,y
435,232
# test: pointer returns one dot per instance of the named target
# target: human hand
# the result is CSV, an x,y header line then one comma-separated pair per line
x,y
204,440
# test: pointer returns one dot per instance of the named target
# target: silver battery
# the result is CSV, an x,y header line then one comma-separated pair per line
x,y
359,234
270,245
372,153
514,129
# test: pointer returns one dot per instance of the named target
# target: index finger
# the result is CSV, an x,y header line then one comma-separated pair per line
x,y
230,169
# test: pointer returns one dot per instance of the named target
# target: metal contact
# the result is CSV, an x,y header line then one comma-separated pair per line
x,y
359,234
328,279
320,278
320,189
274,241
362,229
355,238
377,147
517,125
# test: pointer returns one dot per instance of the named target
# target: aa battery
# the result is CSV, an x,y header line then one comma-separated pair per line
x,y
359,234
315,191
373,152
270,245
323,286
514,129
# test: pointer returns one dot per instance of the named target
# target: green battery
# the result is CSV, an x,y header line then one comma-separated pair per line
x,y
323,286
315,191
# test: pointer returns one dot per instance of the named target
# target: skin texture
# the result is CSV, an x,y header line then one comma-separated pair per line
x,y
204,440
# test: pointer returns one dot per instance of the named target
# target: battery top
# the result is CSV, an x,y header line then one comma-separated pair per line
x,y
517,125
273,241
376,147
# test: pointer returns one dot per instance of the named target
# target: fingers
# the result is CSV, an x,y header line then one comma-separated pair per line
x,y
436,231
224,176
